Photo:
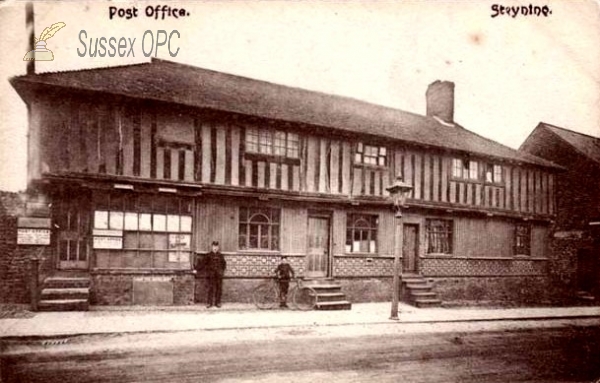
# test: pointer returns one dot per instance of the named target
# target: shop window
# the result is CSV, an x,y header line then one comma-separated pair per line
x,y
259,228
361,233
439,236
370,155
272,142
523,239
148,231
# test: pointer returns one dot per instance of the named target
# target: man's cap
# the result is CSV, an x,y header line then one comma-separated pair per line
x,y
215,243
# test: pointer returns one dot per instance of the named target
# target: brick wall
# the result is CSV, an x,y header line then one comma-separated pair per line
x,y
349,266
116,288
468,267
14,264
531,290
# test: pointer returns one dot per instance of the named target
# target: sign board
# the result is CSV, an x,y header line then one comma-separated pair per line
x,y
108,242
32,222
33,236
108,233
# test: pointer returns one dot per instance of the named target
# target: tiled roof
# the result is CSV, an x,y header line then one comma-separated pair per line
x,y
589,146
183,84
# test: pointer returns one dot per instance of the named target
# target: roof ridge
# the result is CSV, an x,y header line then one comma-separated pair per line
x,y
569,130
278,85
516,151
81,70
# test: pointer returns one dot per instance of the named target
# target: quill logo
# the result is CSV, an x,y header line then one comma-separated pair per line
x,y
40,53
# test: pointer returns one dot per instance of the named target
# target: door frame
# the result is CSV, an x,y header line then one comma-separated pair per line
x,y
326,214
416,248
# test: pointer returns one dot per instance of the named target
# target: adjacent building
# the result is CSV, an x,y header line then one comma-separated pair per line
x,y
145,165
576,240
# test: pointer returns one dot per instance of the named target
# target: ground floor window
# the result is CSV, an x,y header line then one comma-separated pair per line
x,y
361,233
523,239
142,231
259,228
439,236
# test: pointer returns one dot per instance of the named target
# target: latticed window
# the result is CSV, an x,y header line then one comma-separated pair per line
x,y
361,233
259,228
370,155
523,239
493,173
271,142
439,236
465,169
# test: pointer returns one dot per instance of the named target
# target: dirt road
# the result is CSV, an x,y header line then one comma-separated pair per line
x,y
542,353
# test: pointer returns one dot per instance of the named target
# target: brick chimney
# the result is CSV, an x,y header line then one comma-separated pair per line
x,y
440,100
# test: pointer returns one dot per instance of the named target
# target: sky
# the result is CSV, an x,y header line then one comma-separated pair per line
x,y
510,73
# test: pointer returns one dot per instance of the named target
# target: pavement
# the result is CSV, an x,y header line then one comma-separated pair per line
x,y
142,319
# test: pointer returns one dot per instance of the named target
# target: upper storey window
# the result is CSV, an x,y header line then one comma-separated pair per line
x,y
272,142
465,169
493,173
370,155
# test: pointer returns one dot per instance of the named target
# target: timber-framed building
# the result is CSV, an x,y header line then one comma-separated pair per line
x,y
145,165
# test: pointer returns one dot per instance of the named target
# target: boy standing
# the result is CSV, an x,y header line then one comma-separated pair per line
x,y
284,272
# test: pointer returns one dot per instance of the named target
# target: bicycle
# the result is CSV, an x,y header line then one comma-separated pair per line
x,y
266,295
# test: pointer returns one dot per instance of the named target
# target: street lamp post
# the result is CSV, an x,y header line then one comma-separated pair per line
x,y
399,191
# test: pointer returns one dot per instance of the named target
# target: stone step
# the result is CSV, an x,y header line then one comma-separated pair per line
x,y
328,297
334,305
65,293
424,303
415,281
326,287
424,286
65,282
423,294
64,305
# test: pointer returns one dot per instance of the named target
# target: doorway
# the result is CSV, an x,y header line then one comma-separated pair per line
x,y
72,218
410,248
317,258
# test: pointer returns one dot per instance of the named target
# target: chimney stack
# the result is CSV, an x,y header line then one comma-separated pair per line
x,y
29,24
440,100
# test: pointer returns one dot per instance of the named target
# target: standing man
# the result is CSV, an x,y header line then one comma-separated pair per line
x,y
214,264
284,273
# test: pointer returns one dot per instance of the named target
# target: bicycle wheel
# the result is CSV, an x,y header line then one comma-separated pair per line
x,y
265,296
304,298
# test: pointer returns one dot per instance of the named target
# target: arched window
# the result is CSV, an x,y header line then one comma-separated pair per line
x,y
361,233
259,229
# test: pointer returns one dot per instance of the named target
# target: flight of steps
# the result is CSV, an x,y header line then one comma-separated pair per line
x,y
65,293
418,292
329,294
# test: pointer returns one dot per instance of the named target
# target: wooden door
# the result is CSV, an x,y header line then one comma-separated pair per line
x,y
410,246
73,220
317,259
586,270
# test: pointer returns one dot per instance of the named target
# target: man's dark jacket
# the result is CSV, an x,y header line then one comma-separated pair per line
x,y
213,263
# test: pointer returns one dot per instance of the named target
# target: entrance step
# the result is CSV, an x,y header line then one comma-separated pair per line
x,y
63,293
67,282
418,292
329,294
64,305
334,305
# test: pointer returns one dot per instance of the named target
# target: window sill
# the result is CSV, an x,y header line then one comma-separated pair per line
x,y
259,251
366,255
370,166
438,255
272,158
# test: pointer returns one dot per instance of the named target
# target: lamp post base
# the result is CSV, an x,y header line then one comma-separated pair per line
x,y
394,317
